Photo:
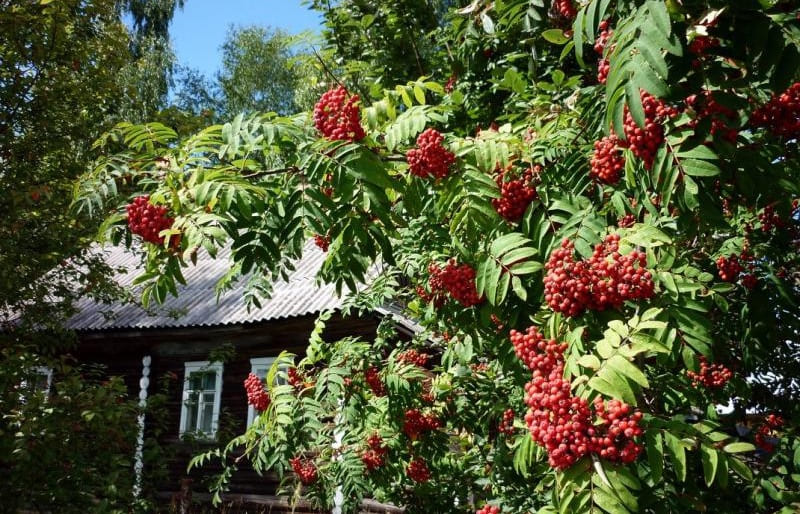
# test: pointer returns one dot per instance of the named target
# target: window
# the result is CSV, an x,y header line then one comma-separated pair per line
x,y
39,380
259,366
202,389
42,379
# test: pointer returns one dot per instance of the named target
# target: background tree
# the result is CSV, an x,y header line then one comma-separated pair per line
x,y
593,275
63,71
258,72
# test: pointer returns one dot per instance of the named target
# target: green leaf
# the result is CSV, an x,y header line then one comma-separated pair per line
x,y
647,236
526,267
555,36
710,459
677,454
589,361
625,368
655,454
419,94
612,385
697,168
739,447
659,16
519,289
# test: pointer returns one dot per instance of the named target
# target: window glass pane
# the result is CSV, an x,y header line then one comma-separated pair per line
x,y
209,381
195,380
206,416
261,372
40,382
191,412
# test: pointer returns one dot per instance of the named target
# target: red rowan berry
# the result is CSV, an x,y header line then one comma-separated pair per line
x,y
710,375
257,396
323,242
374,382
781,115
430,158
506,425
148,220
305,469
418,471
607,162
729,268
336,116
644,141
516,194
565,9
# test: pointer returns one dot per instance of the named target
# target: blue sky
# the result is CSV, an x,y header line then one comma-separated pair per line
x,y
198,30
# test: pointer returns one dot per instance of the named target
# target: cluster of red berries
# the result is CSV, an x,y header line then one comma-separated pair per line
x,y
413,357
450,85
565,9
700,45
417,423
626,221
336,116
418,471
603,68
562,423
305,469
533,350
515,194
771,423
710,375
147,220
295,378
375,454
729,268
603,65
506,425
644,141
479,368
605,35
323,242
620,426
488,509
457,280
770,220
606,280
723,119
608,161
257,396
430,157
781,115
750,280
374,381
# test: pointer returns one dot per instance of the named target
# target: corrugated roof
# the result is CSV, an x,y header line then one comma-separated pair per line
x,y
197,303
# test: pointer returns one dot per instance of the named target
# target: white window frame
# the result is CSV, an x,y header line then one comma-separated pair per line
x,y
255,364
201,366
41,371
48,372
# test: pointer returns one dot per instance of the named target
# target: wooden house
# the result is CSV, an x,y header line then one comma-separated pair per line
x,y
170,349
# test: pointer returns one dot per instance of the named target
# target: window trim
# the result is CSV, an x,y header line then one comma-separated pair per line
x,y
193,367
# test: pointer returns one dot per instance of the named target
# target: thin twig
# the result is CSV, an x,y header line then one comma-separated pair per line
x,y
325,67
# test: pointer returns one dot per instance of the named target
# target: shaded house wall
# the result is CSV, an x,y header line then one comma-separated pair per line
x,y
122,352
187,329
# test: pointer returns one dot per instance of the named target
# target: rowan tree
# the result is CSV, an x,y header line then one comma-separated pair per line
x,y
650,281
